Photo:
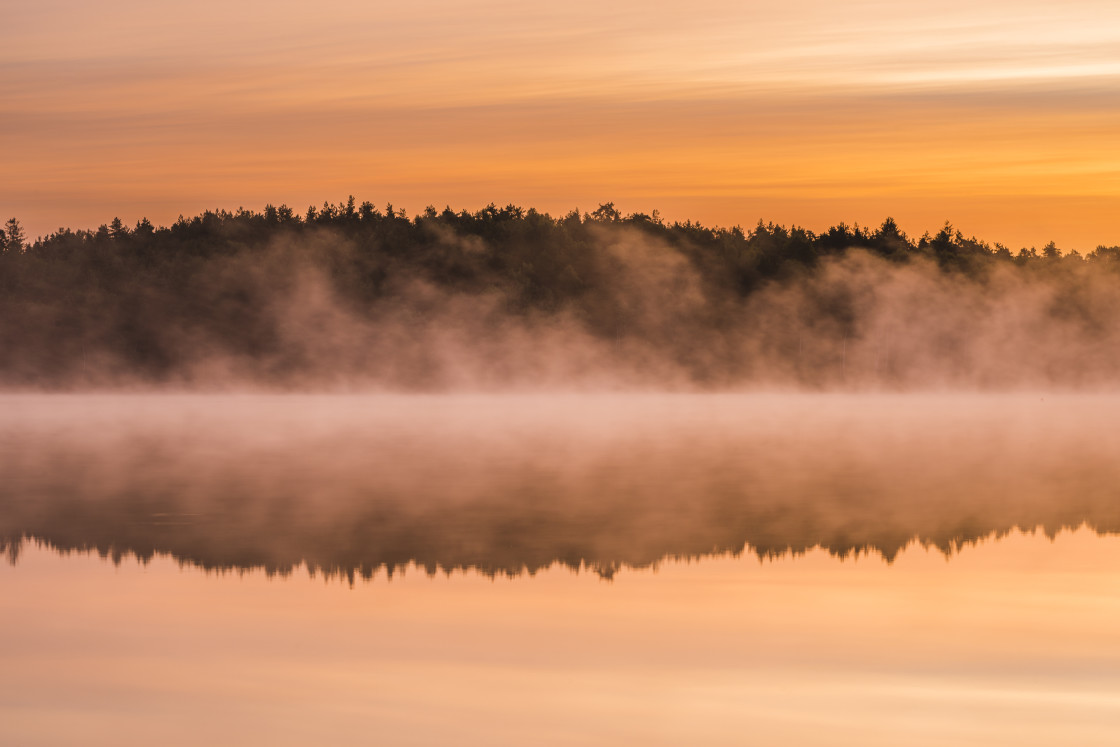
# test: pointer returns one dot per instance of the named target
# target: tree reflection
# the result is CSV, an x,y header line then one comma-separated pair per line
x,y
372,493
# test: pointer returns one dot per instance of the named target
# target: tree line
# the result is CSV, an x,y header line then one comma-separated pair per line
x,y
109,298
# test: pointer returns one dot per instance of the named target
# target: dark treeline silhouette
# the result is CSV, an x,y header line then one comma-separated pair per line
x,y
349,294
353,486
386,541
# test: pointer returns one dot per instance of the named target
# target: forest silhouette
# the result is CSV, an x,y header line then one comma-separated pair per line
x,y
352,296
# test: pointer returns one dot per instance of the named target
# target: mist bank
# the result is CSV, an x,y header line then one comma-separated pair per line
x,y
351,297
501,484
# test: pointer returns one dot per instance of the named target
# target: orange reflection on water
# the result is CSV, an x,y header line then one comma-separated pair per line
x,y
1011,641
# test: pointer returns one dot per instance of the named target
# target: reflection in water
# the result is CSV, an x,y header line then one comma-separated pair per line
x,y
507,484
1012,643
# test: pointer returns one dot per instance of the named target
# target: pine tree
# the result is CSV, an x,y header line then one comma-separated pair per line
x,y
13,238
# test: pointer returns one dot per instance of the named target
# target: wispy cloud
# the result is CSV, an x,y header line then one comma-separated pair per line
x,y
136,107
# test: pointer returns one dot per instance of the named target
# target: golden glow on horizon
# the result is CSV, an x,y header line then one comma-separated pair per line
x,y
999,116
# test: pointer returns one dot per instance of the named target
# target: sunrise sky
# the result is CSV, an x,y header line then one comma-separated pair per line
x,y
1003,117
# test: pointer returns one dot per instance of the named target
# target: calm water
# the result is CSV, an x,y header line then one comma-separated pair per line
x,y
646,569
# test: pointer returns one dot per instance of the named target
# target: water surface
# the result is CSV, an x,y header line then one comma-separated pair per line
x,y
603,569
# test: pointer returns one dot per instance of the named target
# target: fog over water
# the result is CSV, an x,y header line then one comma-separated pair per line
x,y
503,391
503,484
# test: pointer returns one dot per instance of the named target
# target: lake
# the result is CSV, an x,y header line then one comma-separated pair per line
x,y
560,568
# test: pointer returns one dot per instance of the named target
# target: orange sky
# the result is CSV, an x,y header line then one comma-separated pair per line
x,y
1000,116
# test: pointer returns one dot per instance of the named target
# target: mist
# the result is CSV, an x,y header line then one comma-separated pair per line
x,y
514,301
354,486
264,391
